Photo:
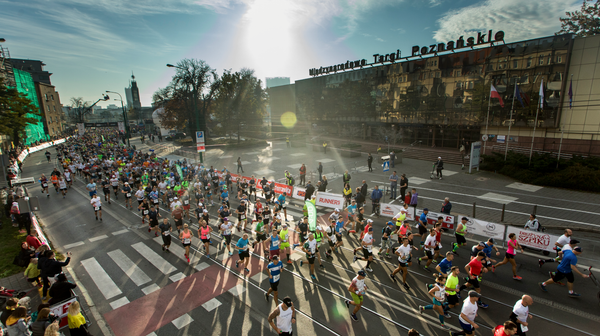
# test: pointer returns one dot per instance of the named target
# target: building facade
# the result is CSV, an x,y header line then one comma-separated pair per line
x,y
25,85
51,108
437,97
34,67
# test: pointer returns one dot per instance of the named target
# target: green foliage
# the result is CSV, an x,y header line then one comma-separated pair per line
x,y
578,173
10,246
16,112
582,23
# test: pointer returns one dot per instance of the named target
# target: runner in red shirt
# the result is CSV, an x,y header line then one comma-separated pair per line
x,y
474,268
508,329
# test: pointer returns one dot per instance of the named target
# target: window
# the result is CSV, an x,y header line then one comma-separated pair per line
x,y
558,59
457,73
529,61
541,60
471,85
50,120
515,64
52,97
437,74
46,96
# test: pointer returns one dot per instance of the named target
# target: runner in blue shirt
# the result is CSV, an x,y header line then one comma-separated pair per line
x,y
423,226
565,269
274,268
445,265
242,247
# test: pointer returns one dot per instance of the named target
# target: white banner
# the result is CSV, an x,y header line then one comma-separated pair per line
x,y
81,128
534,239
329,200
45,145
432,218
121,127
390,210
299,193
486,229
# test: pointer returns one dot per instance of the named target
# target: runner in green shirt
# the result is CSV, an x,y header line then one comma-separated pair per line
x,y
261,237
452,287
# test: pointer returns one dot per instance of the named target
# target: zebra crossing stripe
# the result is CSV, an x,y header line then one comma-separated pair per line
x,y
132,270
104,283
159,262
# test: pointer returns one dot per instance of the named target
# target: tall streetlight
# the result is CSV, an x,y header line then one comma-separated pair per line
x,y
195,98
124,117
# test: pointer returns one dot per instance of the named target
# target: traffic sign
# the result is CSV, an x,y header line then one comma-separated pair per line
x,y
386,166
200,141
484,137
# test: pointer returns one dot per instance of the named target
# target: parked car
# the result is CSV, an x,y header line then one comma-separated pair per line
x,y
176,136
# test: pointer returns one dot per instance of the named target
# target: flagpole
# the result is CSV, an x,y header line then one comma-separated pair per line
x,y
537,111
487,119
510,120
562,134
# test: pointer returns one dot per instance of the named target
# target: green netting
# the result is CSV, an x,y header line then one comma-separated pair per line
x,y
25,85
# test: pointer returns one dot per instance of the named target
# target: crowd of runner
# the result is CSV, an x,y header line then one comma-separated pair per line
x,y
104,164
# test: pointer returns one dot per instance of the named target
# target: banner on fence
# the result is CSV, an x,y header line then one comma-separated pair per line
x,y
533,239
39,231
390,210
61,309
281,188
486,229
448,221
299,193
330,200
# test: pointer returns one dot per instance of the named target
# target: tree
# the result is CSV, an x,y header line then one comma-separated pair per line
x,y
192,88
240,100
79,109
16,112
582,23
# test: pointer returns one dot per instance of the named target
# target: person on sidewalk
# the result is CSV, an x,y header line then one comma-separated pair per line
x,y
346,178
393,185
376,196
403,187
320,171
392,159
439,166
370,162
302,175
239,164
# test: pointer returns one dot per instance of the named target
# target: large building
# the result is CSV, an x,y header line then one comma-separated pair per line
x,y
132,94
441,94
34,67
51,108
25,85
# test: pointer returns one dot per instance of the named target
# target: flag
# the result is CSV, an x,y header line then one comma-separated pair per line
x,y
542,94
312,215
520,97
571,94
495,94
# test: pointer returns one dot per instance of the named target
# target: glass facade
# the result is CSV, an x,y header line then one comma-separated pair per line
x,y
445,96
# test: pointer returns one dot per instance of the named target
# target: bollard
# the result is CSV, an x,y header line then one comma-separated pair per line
x,y
502,215
535,209
474,206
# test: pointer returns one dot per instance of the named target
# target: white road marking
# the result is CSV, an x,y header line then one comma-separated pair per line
x,y
182,321
116,233
243,162
237,290
150,289
179,252
129,267
93,239
211,305
498,198
69,246
259,277
325,160
417,180
226,157
448,172
524,187
201,266
119,303
295,166
104,283
159,262
177,276
263,172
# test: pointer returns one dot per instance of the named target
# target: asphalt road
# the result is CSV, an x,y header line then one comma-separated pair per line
x,y
139,290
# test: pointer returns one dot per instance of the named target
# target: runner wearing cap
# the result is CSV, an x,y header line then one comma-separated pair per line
x,y
429,248
285,241
244,254
357,290
286,317
565,270
367,247
459,233
422,224
468,314
438,292
563,242
386,241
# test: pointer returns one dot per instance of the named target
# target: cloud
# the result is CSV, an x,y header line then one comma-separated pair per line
x,y
434,3
517,18
379,39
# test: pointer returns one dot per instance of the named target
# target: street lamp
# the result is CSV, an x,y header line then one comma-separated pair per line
x,y
124,117
195,98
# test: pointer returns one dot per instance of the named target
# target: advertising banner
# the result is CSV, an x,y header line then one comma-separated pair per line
x,y
330,200
121,126
299,193
81,129
200,141
390,210
281,188
61,309
475,154
312,215
534,239
39,231
448,221
486,229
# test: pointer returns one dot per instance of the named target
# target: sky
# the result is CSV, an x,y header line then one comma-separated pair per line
x,y
92,46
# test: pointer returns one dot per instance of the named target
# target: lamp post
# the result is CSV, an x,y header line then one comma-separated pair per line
x,y
195,99
124,117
